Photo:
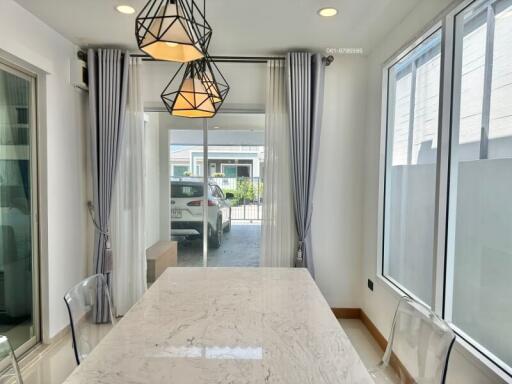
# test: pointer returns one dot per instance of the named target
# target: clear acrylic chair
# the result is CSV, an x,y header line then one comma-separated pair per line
x,y
6,352
419,346
90,314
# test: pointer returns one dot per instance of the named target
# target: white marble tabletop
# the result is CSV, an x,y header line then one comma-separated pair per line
x,y
226,325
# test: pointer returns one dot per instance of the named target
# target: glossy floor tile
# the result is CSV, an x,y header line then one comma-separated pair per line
x,y
50,364
367,348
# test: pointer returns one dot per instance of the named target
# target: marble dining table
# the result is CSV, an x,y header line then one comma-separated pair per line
x,y
226,325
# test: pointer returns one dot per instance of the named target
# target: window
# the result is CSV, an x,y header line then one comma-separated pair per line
x,y
411,152
236,170
446,220
180,189
179,170
19,316
479,252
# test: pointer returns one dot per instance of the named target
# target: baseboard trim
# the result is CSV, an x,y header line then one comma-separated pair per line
x,y
358,313
374,331
347,313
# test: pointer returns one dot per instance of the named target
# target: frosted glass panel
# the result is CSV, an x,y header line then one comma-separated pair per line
x,y
479,252
411,157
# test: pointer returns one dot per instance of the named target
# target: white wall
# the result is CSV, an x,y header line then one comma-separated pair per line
x,y
380,304
156,180
337,219
338,199
247,83
63,159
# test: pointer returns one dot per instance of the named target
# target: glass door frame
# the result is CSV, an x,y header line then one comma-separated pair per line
x,y
157,108
20,72
205,193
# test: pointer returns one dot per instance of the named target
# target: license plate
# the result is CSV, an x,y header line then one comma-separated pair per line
x,y
176,213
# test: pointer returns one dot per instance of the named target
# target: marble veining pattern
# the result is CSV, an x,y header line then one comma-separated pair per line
x,y
226,325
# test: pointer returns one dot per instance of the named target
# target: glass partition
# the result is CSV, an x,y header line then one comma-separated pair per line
x,y
479,245
410,178
17,208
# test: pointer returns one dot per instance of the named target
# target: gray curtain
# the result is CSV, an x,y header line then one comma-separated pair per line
x,y
305,75
108,83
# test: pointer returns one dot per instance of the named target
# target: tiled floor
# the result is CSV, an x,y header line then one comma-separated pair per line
x,y
240,248
49,364
52,364
364,343
368,349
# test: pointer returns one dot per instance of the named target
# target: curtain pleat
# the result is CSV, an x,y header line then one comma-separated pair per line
x,y
127,217
305,87
108,78
278,226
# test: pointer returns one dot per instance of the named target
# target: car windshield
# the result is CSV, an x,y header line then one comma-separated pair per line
x,y
186,190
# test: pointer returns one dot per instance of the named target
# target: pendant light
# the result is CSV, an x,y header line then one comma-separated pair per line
x,y
173,30
200,93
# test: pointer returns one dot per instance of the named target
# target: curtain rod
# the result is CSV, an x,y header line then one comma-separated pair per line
x,y
236,59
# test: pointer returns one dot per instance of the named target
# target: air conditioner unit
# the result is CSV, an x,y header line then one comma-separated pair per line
x,y
79,74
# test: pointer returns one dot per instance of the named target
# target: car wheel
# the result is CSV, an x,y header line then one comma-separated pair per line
x,y
228,227
216,238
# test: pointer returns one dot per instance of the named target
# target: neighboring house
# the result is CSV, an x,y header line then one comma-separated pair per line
x,y
232,161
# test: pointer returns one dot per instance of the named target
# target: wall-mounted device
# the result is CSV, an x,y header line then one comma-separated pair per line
x,y
79,74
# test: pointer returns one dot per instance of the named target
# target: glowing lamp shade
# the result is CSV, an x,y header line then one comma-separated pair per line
x,y
201,90
193,100
172,30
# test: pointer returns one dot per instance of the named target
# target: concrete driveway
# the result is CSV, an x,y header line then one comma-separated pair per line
x,y
240,248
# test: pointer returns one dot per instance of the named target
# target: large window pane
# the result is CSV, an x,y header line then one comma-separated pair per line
x,y
411,156
479,252
16,209
234,188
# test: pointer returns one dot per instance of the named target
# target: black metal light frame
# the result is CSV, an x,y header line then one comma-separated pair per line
x,y
215,92
192,20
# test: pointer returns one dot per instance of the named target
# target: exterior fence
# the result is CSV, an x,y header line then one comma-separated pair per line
x,y
248,196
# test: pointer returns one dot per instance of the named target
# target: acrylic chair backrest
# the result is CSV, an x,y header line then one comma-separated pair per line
x,y
6,352
90,314
422,343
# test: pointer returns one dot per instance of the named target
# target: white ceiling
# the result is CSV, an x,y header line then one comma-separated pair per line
x,y
252,122
241,27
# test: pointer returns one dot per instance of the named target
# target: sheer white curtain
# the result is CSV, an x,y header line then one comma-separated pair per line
x,y
127,216
278,230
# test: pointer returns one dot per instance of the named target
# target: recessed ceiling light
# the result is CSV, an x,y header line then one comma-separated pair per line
x,y
126,9
328,12
216,127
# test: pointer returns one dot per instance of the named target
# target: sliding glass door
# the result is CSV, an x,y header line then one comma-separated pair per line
x,y
236,162
18,242
215,170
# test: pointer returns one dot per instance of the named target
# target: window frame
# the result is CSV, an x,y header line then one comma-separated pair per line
x,y
396,287
446,21
13,66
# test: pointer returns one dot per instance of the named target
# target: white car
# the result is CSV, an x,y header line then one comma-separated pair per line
x,y
187,211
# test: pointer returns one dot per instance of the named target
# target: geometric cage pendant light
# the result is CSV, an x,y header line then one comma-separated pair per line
x,y
199,93
173,30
